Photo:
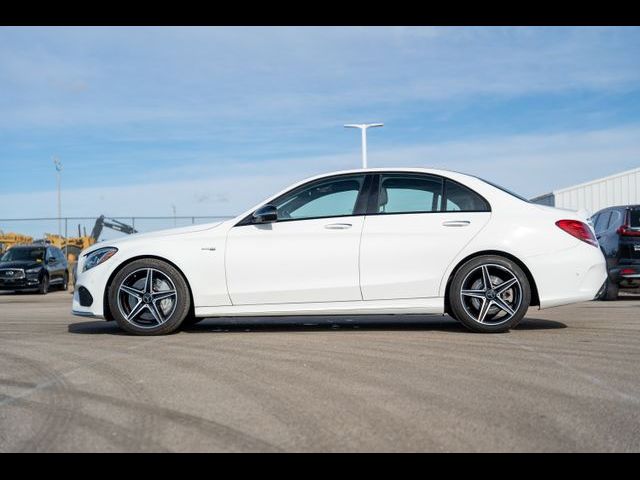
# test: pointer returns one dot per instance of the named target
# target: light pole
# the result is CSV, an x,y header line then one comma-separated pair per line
x,y
363,128
58,164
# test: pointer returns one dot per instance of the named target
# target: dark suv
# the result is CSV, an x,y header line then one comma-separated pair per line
x,y
618,231
33,267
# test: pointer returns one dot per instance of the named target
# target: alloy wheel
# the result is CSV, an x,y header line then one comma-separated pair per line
x,y
147,298
491,294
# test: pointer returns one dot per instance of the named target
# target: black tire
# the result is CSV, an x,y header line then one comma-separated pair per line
x,y
43,288
609,292
65,282
190,320
505,309
145,321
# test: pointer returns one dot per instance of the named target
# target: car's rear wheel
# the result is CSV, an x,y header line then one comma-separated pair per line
x,y
489,294
609,291
149,297
65,282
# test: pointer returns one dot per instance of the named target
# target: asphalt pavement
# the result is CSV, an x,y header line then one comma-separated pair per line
x,y
567,379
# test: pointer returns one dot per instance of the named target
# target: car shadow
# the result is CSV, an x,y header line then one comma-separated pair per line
x,y
317,323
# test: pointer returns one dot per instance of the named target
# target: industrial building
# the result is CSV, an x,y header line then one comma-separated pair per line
x,y
619,189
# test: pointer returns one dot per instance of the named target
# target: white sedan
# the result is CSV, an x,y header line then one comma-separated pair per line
x,y
401,241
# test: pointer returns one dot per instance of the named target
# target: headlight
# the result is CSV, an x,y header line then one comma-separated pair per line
x,y
33,271
97,257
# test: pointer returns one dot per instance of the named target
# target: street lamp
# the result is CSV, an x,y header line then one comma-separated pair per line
x,y
363,128
58,165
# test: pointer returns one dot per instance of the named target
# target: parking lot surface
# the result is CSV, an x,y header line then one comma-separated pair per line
x,y
567,379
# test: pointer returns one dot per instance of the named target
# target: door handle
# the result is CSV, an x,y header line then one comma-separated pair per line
x,y
456,223
337,226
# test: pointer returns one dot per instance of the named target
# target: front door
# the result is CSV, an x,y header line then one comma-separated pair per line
x,y
309,254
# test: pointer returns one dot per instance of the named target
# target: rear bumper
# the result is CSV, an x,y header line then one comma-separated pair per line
x,y
626,275
568,276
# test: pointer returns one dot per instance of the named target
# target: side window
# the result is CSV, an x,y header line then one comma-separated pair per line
x,y
409,193
602,222
615,221
461,199
325,198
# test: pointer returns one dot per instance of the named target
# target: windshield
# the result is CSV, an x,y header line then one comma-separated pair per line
x,y
505,190
35,254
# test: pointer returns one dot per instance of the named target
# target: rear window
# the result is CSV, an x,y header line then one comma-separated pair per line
x,y
461,199
505,190
634,218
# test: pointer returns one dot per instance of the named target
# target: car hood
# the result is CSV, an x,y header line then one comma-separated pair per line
x,y
26,264
157,234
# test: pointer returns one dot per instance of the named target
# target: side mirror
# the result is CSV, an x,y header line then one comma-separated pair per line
x,y
265,214
51,260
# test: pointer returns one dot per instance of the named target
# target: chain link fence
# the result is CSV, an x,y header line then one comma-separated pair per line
x,y
69,227
73,234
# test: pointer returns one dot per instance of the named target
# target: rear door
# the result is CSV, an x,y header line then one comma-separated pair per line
x,y
415,227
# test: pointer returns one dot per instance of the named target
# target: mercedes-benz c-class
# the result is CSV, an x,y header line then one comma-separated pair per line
x,y
372,241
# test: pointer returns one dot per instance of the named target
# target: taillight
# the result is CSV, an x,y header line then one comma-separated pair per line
x,y
627,231
579,230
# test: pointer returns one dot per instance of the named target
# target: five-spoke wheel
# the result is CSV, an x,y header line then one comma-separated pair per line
x,y
149,297
489,294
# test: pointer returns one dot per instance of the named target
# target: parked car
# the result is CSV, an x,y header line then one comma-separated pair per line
x,y
411,241
618,232
33,267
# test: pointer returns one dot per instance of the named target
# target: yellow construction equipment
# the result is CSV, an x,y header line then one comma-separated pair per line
x,y
8,240
72,246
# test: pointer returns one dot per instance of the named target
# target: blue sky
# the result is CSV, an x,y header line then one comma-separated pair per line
x,y
213,120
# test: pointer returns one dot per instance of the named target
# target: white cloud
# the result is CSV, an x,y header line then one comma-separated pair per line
x,y
104,76
528,164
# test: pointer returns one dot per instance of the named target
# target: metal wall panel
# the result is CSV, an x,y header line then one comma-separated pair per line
x,y
619,189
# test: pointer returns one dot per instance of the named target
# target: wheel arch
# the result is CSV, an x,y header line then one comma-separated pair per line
x,y
535,298
105,297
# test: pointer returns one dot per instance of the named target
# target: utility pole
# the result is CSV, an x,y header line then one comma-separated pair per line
x,y
363,128
58,165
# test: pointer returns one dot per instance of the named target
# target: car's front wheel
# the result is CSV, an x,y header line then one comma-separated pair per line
x,y
489,294
43,289
149,297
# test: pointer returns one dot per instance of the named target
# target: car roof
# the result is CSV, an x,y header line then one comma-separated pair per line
x,y
614,207
436,171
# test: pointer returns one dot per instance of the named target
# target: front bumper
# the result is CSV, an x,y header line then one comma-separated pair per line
x,y
88,293
19,284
